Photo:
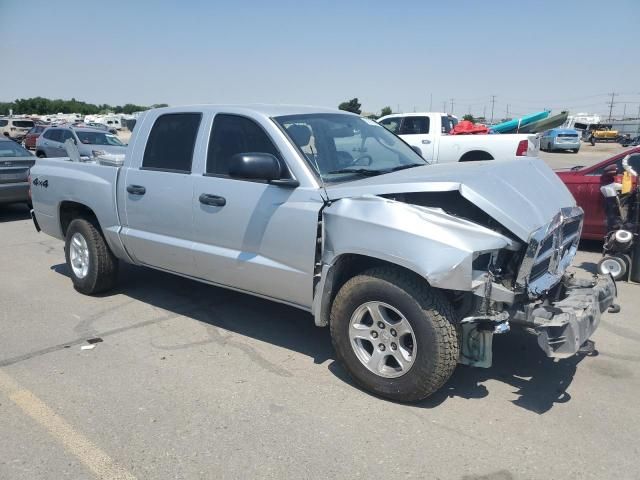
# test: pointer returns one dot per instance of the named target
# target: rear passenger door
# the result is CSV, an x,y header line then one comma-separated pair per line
x,y
261,237
158,195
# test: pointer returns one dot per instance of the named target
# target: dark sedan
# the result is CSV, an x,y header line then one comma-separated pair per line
x,y
15,162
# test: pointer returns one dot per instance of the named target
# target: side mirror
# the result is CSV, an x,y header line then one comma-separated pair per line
x,y
611,170
416,149
257,166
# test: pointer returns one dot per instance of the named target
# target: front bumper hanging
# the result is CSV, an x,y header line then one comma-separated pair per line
x,y
564,325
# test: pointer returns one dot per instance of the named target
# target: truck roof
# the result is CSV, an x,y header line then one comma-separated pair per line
x,y
262,109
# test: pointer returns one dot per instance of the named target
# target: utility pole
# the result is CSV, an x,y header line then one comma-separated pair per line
x,y
451,106
624,111
638,112
444,106
508,117
398,110
611,104
484,112
431,102
493,102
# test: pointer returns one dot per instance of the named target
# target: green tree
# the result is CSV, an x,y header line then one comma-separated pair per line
x,y
46,106
469,118
385,111
352,106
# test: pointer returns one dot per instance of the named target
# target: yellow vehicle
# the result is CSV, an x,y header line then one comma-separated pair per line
x,y
601,132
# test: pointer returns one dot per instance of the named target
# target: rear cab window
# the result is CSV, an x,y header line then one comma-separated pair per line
x,y
171,143
448,122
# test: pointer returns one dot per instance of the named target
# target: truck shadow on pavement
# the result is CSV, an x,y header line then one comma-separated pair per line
x,y
539,381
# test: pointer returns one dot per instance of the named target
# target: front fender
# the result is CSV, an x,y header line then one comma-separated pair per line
x,y
428,241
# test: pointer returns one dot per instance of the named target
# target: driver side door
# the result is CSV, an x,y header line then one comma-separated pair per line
x,y
247,233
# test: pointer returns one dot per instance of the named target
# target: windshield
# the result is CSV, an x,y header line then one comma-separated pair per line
x,y
343,147
12,149
98,138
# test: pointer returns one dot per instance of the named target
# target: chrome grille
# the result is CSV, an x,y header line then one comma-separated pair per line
x,y
550,252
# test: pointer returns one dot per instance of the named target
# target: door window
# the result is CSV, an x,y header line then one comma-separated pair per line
x,y
65,135
233,134
171,142
392,124
53,135
415,126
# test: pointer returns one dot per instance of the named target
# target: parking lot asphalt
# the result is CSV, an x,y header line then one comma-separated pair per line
x,y
192,381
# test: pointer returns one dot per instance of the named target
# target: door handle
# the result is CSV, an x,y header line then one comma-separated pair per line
x,y
136,189
213,200
426,142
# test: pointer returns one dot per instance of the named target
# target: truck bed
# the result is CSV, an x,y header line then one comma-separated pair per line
x,y
56,180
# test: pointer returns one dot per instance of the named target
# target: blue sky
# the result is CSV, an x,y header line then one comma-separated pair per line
x,y
531,55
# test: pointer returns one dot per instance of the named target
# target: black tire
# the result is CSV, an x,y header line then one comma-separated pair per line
x,y
103,265
40,154
431,317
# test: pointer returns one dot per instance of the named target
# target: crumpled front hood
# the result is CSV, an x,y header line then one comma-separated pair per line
x,y
523,194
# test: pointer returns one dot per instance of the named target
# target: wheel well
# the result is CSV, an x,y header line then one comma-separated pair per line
x,y
475,155
345,267
69,211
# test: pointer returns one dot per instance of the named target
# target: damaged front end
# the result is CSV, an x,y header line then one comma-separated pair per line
x,y
494,278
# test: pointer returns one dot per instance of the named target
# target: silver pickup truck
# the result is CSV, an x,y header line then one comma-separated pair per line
x,y
414,267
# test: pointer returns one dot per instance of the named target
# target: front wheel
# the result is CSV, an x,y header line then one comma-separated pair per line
x,y
92,265
394,334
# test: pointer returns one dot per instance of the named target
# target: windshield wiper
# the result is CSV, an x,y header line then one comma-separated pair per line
x,y
577,167
403,167
363,171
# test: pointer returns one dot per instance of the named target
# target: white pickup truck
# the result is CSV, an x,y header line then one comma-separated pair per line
x,y
429,132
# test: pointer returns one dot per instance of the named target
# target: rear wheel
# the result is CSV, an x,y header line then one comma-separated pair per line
x,y
92,265
394,334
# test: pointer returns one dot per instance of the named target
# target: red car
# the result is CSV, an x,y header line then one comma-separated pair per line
x,y
585,182
32,135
